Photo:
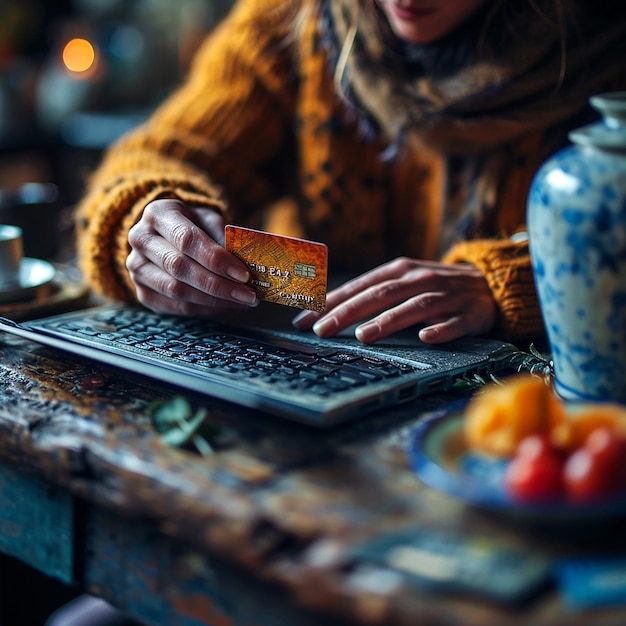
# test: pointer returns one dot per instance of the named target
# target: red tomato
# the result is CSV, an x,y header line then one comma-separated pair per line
x,y
533,446
606,443
536,472
598,468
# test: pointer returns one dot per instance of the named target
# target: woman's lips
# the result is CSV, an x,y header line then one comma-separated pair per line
x,y
410,13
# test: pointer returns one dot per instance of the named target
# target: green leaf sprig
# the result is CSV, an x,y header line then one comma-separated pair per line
x,y
179,426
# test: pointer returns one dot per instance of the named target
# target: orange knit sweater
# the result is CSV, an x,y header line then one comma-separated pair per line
x,y
255,123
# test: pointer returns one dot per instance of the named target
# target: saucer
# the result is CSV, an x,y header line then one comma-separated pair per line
x,y
34,275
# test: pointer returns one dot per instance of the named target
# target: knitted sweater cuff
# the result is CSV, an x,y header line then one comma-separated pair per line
x,y
104,266
507,269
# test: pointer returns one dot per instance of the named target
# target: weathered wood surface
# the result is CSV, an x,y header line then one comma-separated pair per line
x,y
37,523
283,503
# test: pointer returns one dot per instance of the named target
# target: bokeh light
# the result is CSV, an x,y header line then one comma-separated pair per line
x,y
78,55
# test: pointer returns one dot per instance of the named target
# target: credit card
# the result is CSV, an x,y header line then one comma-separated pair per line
x,y
439,560
284,270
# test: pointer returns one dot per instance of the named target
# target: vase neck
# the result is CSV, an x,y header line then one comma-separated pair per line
x,y
610,130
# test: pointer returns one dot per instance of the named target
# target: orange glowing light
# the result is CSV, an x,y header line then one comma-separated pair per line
x,y
78,55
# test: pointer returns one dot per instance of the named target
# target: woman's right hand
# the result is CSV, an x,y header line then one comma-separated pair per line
x,y
179,265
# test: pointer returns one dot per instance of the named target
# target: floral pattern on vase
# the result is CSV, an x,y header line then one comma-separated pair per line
x,y
577,238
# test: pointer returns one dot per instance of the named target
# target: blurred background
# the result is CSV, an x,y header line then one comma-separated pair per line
x,y
74,75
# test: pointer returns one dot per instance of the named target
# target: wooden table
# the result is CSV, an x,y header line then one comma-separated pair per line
x,y
258,533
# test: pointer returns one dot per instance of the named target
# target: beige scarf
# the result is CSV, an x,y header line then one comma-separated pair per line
x,y
487,103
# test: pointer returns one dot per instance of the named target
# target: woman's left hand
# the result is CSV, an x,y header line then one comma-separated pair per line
x,y
452,300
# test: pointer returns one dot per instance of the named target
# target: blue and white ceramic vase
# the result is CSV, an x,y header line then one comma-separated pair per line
x,y
577,237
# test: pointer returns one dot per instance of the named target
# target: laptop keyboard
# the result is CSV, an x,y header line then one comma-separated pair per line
x,y
204,346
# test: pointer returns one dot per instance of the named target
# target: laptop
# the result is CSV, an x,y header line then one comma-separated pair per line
x,y
257,359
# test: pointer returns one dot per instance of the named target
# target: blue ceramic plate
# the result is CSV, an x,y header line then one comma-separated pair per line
x,y
441,459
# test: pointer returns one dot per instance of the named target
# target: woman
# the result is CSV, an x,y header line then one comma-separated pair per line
x,y
402,129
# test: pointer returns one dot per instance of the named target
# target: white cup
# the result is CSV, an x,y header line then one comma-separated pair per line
x,y
11,254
